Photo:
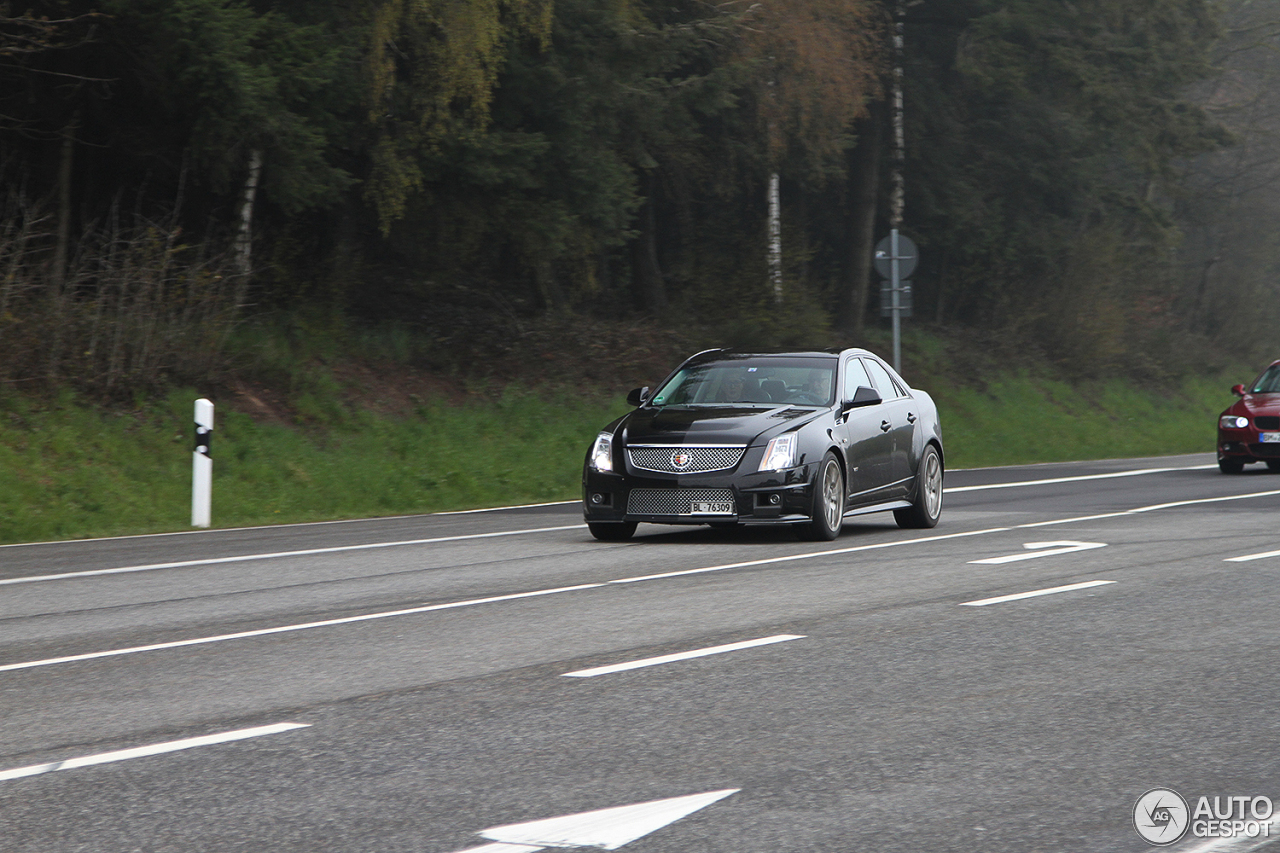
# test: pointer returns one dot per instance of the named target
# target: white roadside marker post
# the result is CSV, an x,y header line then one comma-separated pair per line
x,y
202,466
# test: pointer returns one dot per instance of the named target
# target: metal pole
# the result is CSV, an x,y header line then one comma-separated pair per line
x,y
897,193
896,306
202,466
775,237
897,200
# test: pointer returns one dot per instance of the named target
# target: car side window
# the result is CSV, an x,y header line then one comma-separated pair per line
x,y
855,376
884,384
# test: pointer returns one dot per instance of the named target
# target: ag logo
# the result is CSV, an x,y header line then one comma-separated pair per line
x,y
679,460
1161,816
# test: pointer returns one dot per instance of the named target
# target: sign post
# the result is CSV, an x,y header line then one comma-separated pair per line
x,y
896,257
202,466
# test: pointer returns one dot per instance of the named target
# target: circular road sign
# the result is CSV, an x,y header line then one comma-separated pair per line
x,y
908,256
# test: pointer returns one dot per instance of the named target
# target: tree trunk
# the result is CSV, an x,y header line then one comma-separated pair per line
x,y
58,278
864,181
644,254
244,239
64,203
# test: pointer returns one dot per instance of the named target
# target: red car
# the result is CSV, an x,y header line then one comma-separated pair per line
x,y
1249,430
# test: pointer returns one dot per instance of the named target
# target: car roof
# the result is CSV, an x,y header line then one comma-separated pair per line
x,y
713,354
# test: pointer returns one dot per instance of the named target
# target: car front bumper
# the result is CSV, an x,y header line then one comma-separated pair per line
x,y
767,497
1245,445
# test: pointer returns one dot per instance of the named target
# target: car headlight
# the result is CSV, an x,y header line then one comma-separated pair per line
x,y
1233,422
602,452
780,454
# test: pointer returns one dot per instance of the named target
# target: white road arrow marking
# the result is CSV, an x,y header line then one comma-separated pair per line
x,y
1038,549
607,829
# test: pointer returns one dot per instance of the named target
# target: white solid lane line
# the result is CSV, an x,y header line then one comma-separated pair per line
x,y
1000,599
1153,508
678,656
309,552
425,609
153,749
263,632
347,620
1247,557
808,555
1078,479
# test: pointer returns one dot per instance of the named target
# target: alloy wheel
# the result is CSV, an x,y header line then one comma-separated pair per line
x,y
832,500
933,485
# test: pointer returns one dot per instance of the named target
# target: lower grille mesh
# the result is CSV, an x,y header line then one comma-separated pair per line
x,y
674,501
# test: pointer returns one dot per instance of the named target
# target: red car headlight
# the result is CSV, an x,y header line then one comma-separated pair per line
x,y
1233,422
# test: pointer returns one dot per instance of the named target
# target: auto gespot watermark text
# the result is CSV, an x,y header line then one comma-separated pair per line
x,y
1162,816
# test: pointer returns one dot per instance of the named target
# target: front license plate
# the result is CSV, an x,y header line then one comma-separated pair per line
x,y
712,508
1269,437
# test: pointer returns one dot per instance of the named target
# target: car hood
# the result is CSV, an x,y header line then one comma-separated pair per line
x,y
690,425
1255,404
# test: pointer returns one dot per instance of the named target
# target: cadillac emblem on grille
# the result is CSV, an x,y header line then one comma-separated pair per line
x,y
679,460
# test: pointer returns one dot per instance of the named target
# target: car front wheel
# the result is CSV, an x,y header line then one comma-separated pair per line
x,y
828,503
926,506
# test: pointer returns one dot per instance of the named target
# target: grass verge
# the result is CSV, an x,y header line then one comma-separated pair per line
x,y
68,470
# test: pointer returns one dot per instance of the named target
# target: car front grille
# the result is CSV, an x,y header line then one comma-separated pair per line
x,y
676,501
698,459
1267,422
1265,451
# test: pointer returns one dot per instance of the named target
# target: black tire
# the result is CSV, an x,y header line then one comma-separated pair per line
x,y
1273,464
1227,465
827,511
926,504
612,531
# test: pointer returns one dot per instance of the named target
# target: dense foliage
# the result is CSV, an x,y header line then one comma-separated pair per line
x,y
463,167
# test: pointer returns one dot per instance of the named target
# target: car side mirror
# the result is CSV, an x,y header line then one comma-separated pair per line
x,y
638,396
1238,390
864,396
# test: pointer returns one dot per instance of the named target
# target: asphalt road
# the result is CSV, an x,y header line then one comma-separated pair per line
x,y
890,704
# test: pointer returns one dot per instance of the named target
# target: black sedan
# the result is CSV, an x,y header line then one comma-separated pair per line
x,y
799,438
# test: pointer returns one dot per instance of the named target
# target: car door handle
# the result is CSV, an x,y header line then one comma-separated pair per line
x,y
911,417
884,426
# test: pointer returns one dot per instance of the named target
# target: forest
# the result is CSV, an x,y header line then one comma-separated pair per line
x,y
1090,182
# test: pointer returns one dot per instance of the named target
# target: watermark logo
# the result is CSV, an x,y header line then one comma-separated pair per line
x,y
1161,816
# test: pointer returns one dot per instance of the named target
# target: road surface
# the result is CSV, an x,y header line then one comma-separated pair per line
x,y
1069,637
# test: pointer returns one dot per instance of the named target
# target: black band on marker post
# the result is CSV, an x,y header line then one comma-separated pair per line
x,y
204,437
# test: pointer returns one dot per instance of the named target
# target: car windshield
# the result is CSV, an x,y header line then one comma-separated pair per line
x,y
752,381
1268,382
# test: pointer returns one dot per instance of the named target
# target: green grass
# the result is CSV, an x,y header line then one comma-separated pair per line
x,y
1021,419
68,470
